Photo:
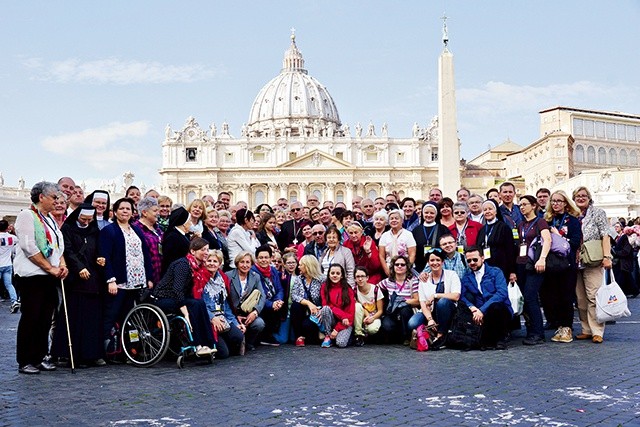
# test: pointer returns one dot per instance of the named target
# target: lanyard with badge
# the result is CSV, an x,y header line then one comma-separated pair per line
x,y
427,246
461,238
440,284
486,252
523,245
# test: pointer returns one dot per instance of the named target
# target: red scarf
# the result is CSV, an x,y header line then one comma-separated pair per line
x,y
200,276
266,271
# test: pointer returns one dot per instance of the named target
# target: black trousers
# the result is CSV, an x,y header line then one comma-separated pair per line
x,y
396,326
302,325
229,342
39,298
495,325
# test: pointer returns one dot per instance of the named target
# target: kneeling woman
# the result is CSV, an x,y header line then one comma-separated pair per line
x,y
227,331
438,297
274,295
174,294
306,301
338,307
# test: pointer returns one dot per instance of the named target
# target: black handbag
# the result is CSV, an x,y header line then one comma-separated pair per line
x,y
554,263
464,333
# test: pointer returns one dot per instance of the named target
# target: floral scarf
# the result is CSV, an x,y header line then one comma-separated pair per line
x,y
200,275
44,240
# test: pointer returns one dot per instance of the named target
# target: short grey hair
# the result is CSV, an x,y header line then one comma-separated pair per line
x,y
43,187
382,214
147,203
461,205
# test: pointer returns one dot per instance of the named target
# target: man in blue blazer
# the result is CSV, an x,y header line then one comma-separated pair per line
x,y
484,291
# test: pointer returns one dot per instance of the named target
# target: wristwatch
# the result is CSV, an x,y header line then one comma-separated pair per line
x,y
609,257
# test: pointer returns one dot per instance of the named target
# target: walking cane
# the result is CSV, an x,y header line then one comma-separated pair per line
x,y
66,318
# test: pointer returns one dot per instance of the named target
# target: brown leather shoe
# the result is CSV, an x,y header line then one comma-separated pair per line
x,y
583,337
597,339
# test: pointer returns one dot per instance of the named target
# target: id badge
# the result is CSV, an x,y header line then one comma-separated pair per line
x,y
486,253
523,250
460,249
218,308
516,236
426,249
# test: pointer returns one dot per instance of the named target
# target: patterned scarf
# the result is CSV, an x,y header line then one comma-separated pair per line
x,y
44,241
200,275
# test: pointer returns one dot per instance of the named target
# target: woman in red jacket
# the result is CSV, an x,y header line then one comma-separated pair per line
x,y
338,307
365,252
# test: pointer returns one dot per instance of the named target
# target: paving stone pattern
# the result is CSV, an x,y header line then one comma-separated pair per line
x,y
577,384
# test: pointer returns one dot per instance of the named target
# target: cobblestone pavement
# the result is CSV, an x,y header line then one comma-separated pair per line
x,y
577,384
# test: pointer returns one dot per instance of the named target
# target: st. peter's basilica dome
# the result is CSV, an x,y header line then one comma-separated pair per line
x,y
293,103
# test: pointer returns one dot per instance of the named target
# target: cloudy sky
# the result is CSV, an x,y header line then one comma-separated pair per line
x,y
87,88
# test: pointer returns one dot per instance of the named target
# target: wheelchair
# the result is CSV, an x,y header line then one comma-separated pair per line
x,y
147,334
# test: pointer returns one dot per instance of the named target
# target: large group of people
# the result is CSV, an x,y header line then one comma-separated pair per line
x,y
308,273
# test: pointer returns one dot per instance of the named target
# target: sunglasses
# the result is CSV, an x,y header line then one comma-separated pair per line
x,y
400,264
296,209
459,213
473,259
318,233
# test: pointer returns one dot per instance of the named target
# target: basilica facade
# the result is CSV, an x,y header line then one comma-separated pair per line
x,y
295,144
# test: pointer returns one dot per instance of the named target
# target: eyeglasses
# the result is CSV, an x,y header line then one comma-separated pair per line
x,y
581,196
318,233
450,242
312,200
558,201
400,264
296,209
367,206
470,260
459,213
360,276
291,263
163,206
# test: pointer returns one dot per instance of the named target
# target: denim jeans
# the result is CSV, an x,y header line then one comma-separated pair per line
x,y
530,288
443,313
7,274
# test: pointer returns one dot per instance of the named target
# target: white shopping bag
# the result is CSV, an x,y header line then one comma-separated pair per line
x,y
611,302
516,298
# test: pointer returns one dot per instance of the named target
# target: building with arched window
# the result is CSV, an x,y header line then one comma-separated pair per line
x,y
295,144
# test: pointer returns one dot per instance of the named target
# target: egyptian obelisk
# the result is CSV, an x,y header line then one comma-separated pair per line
x,y
448,143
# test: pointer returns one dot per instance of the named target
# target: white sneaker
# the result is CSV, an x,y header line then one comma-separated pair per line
x,y
204,351
563,334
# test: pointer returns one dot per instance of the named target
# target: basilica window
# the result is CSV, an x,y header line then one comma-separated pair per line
x,y
591,155
340,155
371,156
602,156
340,196
631,133
633,158
588,128
623,157
613,156
434,155
191,196
578,154
192,154
293,196
401,157
611,131
600,130
372,194
292,155
620,131
258,198
228,157
578,125
258,157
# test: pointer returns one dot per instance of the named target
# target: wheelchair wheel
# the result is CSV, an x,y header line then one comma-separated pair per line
x,y
145,335
180,362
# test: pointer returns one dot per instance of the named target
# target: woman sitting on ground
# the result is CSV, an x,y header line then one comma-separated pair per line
x,y
227,331
174,294
306,301
274,295
338,308
246,297
438,297
404,285
369,306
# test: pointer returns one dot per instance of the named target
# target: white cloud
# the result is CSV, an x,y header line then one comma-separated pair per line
x,y
498,97
116,71
115,146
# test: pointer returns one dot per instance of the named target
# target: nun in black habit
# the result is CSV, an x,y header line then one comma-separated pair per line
x,y
84,288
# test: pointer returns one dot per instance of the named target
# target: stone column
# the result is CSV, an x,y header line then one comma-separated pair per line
x,y
329,193
349,196
284,190
302,196
243,193
448,142
271,196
